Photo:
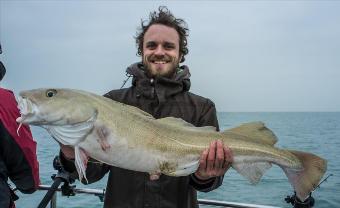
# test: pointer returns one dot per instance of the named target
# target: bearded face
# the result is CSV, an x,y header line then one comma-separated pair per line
x,y
161,51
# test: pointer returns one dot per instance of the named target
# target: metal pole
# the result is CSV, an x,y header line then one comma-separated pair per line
x,y
53,203
100,193
44,202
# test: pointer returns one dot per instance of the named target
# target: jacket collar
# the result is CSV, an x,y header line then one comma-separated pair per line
x,y
159,87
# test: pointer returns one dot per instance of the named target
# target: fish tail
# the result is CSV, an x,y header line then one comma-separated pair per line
x,y
80,162
306,179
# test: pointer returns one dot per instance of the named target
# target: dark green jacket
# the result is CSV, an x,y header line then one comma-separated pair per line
x,y
161,97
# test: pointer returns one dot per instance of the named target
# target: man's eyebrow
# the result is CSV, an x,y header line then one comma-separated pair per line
x,y
154,43
169,43
150,42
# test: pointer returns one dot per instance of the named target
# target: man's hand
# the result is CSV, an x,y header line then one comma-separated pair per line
x,y
214,161
68,151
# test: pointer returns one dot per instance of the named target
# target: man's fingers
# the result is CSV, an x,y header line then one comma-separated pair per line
x,y
215,160
219,160
211,156
228,158
228,155
68,151
203,160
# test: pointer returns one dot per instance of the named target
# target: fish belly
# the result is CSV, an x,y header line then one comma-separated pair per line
x,y
121,154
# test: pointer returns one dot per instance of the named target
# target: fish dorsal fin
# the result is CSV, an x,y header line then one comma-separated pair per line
x,y
174,121
126,108
178,122
207,128
255,132
137,111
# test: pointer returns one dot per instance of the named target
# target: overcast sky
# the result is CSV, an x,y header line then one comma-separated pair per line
x,y
243,55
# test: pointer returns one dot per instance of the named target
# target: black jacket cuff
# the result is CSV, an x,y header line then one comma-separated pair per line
x,y
205,185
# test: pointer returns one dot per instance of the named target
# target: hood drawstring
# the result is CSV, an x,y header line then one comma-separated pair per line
x,y
124,81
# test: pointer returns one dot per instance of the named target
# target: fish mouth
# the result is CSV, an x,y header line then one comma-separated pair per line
x,y
27,109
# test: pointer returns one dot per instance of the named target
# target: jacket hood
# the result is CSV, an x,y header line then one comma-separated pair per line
x,y
160,87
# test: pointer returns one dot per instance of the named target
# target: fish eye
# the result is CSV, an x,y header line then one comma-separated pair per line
x,y
51,93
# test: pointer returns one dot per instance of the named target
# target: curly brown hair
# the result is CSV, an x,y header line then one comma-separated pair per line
x,y
164,17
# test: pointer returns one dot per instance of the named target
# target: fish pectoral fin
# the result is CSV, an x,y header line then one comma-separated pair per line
x,y
71,134
252,171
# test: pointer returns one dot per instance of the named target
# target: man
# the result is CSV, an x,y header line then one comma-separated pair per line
x,y
18,160
160,87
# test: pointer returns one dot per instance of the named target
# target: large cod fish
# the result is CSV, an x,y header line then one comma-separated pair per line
x,y
127,137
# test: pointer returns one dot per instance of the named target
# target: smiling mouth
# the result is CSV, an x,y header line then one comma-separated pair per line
x,y
159,62
159,59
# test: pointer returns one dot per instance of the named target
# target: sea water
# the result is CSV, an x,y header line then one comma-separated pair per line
x,y
318,133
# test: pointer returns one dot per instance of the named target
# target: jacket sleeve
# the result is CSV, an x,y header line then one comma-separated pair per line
x,y
95,170
18,169
208,118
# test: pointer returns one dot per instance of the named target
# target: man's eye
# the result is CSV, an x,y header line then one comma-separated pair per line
x,y
151,45
168,46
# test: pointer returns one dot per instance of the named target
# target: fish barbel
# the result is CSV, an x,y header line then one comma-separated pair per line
x,y
127,137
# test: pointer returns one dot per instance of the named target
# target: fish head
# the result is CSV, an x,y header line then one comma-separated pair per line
x,y
57,107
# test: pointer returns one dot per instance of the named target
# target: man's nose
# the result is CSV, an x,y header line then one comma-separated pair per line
x,y
159,51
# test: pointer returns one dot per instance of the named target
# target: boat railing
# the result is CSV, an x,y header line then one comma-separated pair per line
x,y
101,192
64,177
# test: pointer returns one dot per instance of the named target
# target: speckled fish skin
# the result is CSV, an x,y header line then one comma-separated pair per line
x,y
127,137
